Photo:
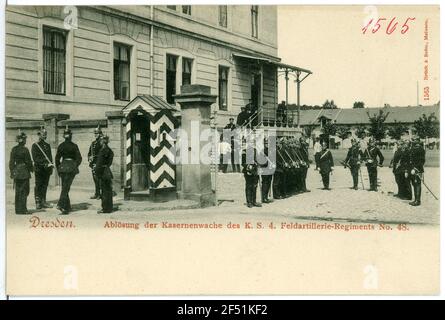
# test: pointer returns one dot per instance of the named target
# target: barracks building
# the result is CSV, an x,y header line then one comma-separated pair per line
x,y
120,67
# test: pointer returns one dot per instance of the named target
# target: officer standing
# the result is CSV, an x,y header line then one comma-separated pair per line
x,y
68,159
243,116
20,166
43,165
417,161
266,172
352,161
250,171
325,165
92,159
405,183
104,174
374,158
234,155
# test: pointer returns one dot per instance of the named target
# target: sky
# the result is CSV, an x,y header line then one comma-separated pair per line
x,y
350,66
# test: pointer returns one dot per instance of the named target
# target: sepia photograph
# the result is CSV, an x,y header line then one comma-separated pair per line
x,y
222,149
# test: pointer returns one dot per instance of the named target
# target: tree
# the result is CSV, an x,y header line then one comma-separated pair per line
x,y
397,130
360,132
358,105
308,129
329,129
329,105
427,127
343,132
378,127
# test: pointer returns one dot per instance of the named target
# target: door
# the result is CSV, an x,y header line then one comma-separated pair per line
x,y
141,152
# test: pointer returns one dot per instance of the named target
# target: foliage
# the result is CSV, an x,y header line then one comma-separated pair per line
x,y
329,105
397,130
343,132
378,127
427,126
329,128
358,105
360,131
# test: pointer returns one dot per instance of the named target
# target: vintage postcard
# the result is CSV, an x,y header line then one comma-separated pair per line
x,y
222,149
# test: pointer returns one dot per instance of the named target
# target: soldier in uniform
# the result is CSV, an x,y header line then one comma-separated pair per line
x,y
417,161
234,155
250,171
104,174
43,165
395,165
278,178
352,161
243,116
325,165
405,183
92,159
68,159
20,166
304,152
374,158
266,172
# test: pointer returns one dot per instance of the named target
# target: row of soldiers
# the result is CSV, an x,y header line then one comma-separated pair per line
x,y
292,162
284,176
407,165
67,162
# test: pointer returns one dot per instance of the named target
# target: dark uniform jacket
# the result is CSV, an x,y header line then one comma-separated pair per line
x,y
93,152
325,161
371,154
396,161
104,161
40,161
242,118
230,126
251,168
20,163
353,157
417,157
69,152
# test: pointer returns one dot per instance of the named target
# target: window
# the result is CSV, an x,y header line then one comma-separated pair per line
x,y
121,71
223,16
54,61
254,16
187,10
223,76
171,78
186,71
172,7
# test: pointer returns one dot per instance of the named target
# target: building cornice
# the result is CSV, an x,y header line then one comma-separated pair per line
x,y
121,14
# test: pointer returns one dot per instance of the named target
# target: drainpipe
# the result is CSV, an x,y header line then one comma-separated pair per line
x,y
151,51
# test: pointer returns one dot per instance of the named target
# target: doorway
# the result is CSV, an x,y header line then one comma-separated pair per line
x,y
140,138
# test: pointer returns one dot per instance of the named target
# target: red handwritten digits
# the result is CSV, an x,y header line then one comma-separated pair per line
x,y
405,26
377,24
390,30
390,27
364,29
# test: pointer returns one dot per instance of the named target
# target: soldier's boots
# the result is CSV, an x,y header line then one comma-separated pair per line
x,y
417,193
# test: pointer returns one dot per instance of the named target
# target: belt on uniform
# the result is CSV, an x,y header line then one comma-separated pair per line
x,y
68,159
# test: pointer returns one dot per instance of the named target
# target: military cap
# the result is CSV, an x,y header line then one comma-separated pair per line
x,y
97,130
21,136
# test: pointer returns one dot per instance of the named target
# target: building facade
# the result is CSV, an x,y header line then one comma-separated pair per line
x,y
84,61
82,66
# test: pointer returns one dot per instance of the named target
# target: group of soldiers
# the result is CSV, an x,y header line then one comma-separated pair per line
x,y
292,162
407,167
284,176
66,162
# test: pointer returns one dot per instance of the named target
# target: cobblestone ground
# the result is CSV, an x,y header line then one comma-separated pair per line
x,y
339,204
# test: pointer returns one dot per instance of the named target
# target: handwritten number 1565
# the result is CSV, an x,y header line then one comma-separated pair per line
x,y
390,27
